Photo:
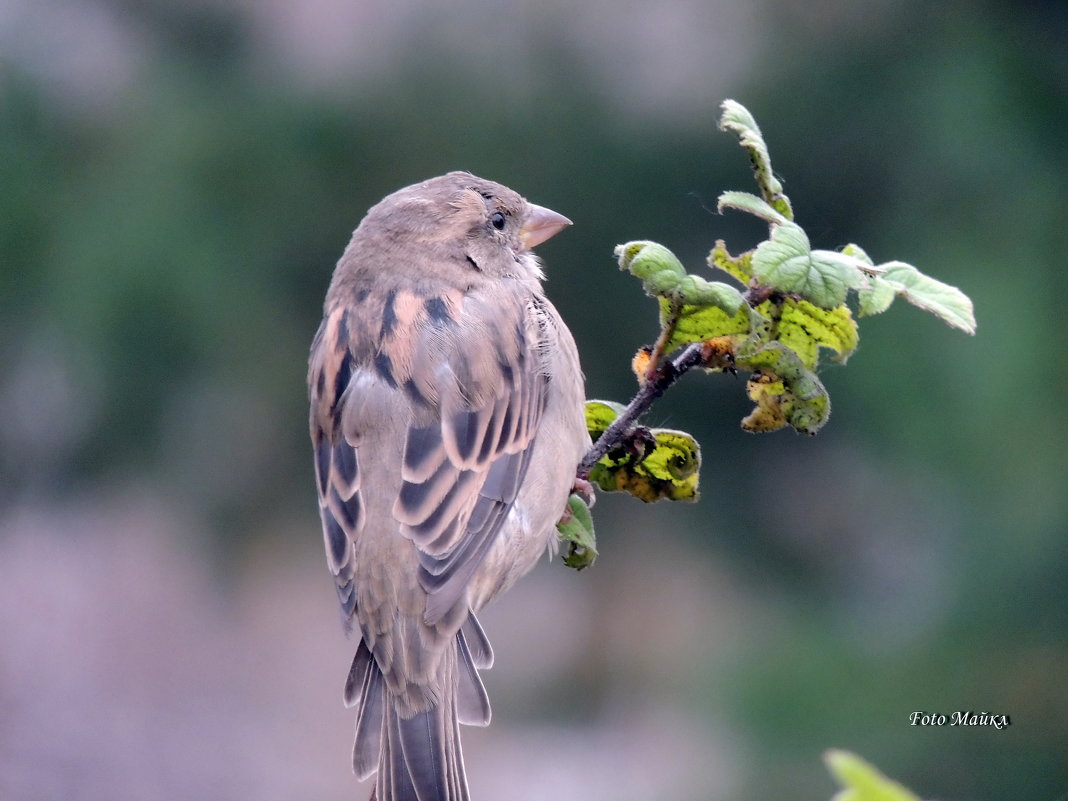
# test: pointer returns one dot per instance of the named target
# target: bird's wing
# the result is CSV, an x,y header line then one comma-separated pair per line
x,y
337,468
468,369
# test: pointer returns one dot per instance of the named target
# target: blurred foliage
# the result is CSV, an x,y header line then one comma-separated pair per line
x,y
861,781
163,261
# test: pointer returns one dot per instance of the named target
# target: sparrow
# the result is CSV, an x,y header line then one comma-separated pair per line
x,y
447,425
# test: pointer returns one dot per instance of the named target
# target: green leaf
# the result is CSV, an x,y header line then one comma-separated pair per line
x,y
743,201
576,529
740,267
663,276
858,253
657,266
785,391
670,470
696,291
805,328
876,297
861,781
766,391
600,414
929,294
787,263
737,119
701,323
675,459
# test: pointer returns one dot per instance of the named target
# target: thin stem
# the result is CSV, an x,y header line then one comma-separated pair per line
x,y
654,386
661,343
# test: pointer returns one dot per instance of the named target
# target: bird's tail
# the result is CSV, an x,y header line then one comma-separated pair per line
x,y
418,756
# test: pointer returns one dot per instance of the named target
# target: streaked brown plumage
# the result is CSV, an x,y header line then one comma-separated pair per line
x,y
446,418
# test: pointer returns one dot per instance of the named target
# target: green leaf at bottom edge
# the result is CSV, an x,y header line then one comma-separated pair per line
x,y
861,781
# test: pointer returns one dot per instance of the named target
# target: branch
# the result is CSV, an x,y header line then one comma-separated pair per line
x,y
654,386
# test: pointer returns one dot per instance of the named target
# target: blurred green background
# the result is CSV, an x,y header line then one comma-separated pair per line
x,y
177,180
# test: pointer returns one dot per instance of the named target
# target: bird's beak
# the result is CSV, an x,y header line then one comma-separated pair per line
x,y
542,224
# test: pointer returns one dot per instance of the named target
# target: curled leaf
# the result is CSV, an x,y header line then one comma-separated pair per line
x,y
736,118
696,291
669,470
758,207
766,392
663,276
576,529
785,391
657,267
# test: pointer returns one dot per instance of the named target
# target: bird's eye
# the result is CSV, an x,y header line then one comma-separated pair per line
x,y
498,220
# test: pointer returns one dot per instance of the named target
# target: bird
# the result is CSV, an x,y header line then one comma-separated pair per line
x,y
447,424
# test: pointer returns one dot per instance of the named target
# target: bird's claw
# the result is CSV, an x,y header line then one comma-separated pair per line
x,y
584,489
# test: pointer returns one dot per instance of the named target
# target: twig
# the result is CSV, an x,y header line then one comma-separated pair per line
x,y
659,349
655,386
